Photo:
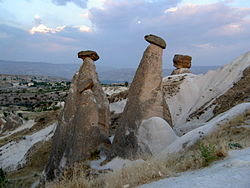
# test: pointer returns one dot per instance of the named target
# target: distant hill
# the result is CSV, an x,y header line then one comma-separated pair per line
x,y
106,74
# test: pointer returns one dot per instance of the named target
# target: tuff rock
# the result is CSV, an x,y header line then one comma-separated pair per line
x,y
83,125
145,100
181,71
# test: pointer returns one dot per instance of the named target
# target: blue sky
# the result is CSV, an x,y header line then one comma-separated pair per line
x,y
213,32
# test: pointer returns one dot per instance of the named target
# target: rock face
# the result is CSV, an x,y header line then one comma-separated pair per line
x,y
145,100
182,64
83,125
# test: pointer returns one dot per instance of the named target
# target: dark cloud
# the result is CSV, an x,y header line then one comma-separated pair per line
x,y
80,3
207,32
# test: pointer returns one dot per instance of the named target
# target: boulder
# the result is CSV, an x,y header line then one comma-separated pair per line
x,y
88,53
182,61
83,126
152,39
145,100
181,71
155,134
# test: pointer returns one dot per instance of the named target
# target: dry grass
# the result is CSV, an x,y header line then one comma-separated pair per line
x,y
152,170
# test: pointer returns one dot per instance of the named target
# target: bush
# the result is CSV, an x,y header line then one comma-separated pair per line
x,y
235,146
3,179
208,153
20,115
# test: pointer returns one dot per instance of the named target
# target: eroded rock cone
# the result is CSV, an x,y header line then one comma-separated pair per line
x,y
145,100
83,124
182,64
181,71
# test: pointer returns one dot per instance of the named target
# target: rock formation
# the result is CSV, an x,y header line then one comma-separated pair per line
x,y
209,94
145,100
84,122
155,134
182,64
12,121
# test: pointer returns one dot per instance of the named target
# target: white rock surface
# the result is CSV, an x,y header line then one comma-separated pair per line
x,y
197,90
155,134
233,172
191,137
26,125
13,153
118,107
114,89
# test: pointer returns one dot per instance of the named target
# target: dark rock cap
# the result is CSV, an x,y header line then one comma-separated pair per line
x,y
88,53
156,40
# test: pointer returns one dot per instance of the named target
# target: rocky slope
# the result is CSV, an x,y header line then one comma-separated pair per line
x,y
198,105
195,99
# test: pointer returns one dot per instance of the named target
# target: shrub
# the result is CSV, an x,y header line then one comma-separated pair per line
x,y
208,153
20,115
235,145
3,179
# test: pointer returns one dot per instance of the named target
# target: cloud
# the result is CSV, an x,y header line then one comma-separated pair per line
x,y
213,34
172,9
41,28
44,29
124,14
37,19
204,46
197,30
80,3
85,15
84,28
20,45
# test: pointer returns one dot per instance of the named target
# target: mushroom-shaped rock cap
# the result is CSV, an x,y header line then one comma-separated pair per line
x,y
182,61
88,53
156,40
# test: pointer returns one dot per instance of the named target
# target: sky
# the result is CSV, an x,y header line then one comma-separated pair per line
x,y
213,32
